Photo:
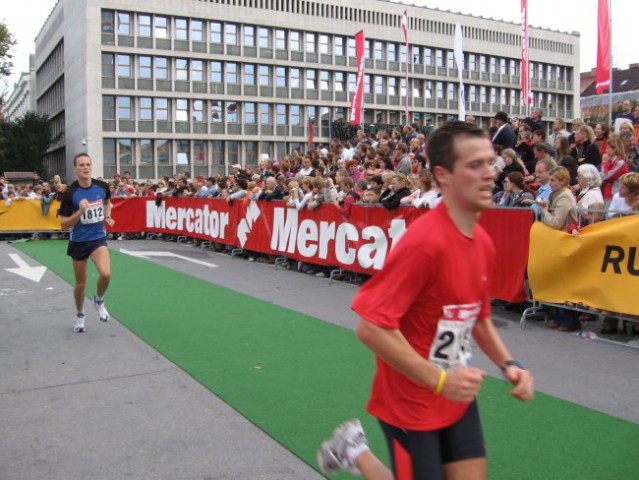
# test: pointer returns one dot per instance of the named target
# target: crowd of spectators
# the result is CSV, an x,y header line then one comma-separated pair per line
x,y
567,178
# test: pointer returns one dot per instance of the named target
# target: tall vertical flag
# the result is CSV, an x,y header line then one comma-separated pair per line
x,y
356,103
526,96
602,78
408,56
459,62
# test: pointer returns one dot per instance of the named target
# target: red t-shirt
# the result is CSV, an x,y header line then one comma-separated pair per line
x,y
433,287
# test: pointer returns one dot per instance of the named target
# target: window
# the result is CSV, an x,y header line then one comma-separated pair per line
x,y
311,42
392,86
183,152
181,110
250,149
325,83
124,23
483,94
264,38
162,109
451,59
197,70
231,112
108,21
146,108
216,111
108,65
503,66
145,67
452,91
352,50
108,107
367,83
280,39
197,30
144,25
379,84
340,49
108,151
295,77
249,74
513,70
472,60
428,93
124,66
296,117
428,56
440,58
483,63
311,79
125,147
295,41
249,113
181,29
216,72
198,110
146,151
249,35
493,65
181,69
231,73
541,69
339,82
472,93
439,89
280,115
324,44
493,95
217,150
163,151
418,87
265,114
391,50
161,27
199,152
216,32
352,82
379,51
124,108
280,76
232,34
265,75
367,49
161,68
417,54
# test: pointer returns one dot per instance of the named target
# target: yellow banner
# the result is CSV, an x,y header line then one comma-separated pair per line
x,y
26,216
600,267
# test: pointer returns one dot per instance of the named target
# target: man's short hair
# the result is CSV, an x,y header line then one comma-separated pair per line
x,y
502,116
548,163
82,154
541,147
441,142
348,181
540,133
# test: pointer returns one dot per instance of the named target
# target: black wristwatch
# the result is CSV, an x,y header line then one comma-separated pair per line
x,y
516,363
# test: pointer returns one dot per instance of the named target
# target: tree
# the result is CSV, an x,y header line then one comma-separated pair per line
x,y
25,142
6,44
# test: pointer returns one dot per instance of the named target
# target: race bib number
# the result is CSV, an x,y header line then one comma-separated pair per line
x,y
451,346
93,214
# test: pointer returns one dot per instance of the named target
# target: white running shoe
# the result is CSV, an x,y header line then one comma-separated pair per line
x,y
333,456
79,324
103,315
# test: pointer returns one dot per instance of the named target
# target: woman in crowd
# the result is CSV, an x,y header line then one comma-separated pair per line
x,y
585,151
562,148
560,211
399,189
625,126
601,137
424,193
589,181
613,167
524,149
516,193
512,163
627,198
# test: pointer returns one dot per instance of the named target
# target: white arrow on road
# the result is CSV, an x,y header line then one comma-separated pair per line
x,y
135,253
24,270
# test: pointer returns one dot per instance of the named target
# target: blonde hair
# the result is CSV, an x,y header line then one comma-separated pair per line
x,y
630,180
561,174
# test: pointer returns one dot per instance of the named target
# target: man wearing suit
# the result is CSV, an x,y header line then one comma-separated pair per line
x,y
505,135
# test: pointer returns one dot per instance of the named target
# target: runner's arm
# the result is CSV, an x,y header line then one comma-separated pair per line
x,y
68,222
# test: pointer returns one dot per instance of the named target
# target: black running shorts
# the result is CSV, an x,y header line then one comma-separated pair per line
x,y
83,250
421,455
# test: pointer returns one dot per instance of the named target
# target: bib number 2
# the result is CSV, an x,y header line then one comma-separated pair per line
x,y
451,346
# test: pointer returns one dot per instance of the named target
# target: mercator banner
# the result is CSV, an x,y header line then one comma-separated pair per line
x,y
600,267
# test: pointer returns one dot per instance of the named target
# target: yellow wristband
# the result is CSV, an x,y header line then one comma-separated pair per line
x,y
440,383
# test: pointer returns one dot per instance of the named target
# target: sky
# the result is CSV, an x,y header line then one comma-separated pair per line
x,y
24,18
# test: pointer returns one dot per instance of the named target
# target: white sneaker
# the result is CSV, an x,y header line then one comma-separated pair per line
x,y
79,323
333,456
103,315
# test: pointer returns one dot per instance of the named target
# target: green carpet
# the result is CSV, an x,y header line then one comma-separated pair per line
x,y
296,377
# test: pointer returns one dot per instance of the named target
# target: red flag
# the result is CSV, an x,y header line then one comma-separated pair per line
x,y
311,133
356,103
526,97
603,49
405,28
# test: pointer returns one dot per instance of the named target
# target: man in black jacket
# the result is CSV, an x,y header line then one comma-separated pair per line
x,y
505,135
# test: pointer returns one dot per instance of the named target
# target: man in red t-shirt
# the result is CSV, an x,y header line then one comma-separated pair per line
x,y
418,315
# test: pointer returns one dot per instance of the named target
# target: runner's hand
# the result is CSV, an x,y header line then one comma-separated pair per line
x,y
84,204
463,384
523,381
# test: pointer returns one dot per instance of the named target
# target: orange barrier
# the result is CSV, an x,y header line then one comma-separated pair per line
x,y
23,215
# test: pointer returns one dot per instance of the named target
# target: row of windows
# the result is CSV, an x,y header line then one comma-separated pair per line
x,y
230,73
283,39
51,68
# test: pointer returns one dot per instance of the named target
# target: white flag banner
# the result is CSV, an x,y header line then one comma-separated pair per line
x,y
459,61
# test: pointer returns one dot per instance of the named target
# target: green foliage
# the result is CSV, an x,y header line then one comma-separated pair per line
x,y
6,56
24,143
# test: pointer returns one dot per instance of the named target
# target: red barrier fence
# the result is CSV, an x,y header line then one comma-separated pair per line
x,y
359,242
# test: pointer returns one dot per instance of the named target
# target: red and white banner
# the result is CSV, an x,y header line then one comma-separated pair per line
x,y
408,56
602,79
526,95
358,243
356,102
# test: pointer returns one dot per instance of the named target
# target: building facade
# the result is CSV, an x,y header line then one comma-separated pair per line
x,y
23,95
168,86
